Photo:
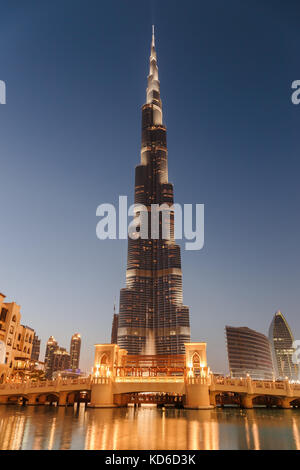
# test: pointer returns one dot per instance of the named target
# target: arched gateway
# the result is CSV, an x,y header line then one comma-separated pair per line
x,y
121,374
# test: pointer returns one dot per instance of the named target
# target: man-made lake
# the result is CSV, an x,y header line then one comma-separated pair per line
x,y
49,427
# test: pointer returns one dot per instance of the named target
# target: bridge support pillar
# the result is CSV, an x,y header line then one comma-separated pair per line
x,y
120,399
71,399
42,400
62,400
197,396
32,399
247,402
285,403
212,399
102,394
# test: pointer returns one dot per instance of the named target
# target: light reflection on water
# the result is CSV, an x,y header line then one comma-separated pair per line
x,y
147,428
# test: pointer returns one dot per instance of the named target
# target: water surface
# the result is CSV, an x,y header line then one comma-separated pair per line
x,y
49,427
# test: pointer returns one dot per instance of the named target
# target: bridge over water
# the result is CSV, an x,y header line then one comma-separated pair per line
x,y
160,390
119,379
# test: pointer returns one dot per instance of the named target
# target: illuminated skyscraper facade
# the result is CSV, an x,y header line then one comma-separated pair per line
x,y
152,318
52,346
75,351
281,339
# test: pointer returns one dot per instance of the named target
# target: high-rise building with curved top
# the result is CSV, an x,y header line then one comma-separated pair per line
x,y
281,339
152,317
249,353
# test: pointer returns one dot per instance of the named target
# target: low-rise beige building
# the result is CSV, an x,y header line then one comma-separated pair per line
x,y
15,339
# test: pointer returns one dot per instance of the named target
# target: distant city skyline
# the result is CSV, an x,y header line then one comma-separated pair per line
x,y
70,137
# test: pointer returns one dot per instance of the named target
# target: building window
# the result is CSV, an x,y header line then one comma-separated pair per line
x,y
3,314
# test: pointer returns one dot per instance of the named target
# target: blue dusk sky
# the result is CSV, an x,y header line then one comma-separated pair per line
x,y
76,73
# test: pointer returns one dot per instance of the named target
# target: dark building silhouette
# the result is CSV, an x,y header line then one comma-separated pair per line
x,y
36,346
281,339
249,352
75,351
152,318
114,329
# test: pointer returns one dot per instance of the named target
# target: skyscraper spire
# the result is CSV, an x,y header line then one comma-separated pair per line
x,y
153,90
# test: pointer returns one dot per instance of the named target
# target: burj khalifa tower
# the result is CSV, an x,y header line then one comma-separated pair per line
x,y
152,318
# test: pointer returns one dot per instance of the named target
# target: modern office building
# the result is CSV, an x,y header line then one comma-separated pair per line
x,y
281,339
249,353
75,351
152,318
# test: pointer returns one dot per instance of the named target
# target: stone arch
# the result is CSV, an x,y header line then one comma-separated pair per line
x,y
78,396
266,400
158,398
295,403
17,399
52,398
225,398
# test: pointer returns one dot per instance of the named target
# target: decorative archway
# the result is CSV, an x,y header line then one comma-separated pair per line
x,y
196,361
104,360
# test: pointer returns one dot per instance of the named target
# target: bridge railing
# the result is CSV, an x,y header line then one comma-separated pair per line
x,y
198,380
46,384
218,380
164,379
101,380
254,386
